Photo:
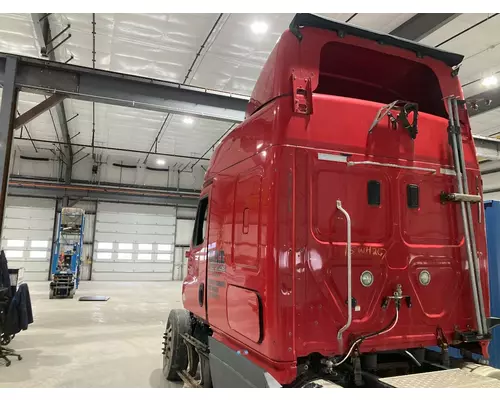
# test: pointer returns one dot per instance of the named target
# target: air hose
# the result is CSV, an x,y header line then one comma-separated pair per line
x,y
360,340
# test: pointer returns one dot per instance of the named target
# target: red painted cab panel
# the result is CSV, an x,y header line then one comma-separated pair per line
x,y
273,258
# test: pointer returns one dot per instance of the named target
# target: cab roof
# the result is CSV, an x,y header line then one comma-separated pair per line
x,y
316,21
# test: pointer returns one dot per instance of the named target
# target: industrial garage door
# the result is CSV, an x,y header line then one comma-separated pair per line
x,y
180,263
27,235
183,237
133,243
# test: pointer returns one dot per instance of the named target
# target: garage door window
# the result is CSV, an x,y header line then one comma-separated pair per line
x,y
15,243
39,244
164,257
13,254
38,254
164,247
124,256
104,256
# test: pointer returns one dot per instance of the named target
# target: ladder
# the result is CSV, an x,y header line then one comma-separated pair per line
x,y
465,199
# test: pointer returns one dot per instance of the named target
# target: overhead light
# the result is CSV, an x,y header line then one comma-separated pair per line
x,y
160,161
259,27
490,81
188,120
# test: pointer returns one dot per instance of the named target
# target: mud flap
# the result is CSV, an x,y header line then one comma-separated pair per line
x,y
232,370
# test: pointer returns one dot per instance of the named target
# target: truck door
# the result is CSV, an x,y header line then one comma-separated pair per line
x,y
194,288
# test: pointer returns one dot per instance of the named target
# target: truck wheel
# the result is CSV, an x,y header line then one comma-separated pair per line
x,y
175,357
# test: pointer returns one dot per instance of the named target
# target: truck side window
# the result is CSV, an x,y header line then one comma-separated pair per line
x,y
200,227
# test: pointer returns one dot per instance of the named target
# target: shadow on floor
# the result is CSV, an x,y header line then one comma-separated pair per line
x,y
157,380
20,371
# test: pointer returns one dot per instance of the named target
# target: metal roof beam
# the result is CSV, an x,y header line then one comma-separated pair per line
x,y
81,83
422,25
37,110
47,49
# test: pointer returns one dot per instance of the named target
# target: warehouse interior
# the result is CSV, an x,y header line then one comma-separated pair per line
x,y
119,115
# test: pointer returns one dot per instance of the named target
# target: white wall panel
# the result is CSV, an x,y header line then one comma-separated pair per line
x,y
180,264
491,180
135,209
88,206
142,219
184,232
491,196
136,276
134,242
131,237
137,228
185,212
28,220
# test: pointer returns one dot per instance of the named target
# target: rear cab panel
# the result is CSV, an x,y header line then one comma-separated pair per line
x,y
392,240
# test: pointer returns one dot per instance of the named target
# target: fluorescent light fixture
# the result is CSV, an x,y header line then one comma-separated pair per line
x,y
259,27
490,81
160,161
188,120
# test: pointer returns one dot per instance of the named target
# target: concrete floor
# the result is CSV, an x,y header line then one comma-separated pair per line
x,y
113,344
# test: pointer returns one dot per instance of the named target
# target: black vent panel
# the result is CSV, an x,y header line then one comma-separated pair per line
x,y
373,189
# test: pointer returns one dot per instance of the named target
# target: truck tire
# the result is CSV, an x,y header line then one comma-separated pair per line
x,y
175,357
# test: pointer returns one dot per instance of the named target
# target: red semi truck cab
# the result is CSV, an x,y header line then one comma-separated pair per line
x,y
333,222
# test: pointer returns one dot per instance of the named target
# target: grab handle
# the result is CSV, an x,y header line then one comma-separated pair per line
x,y
349,273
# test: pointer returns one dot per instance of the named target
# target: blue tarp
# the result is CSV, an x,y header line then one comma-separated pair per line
x,y
492,217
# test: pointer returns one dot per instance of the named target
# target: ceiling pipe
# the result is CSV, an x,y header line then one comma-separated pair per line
x,y
98,189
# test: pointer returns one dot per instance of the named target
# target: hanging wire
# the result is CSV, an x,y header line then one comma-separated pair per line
x,y
93,66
